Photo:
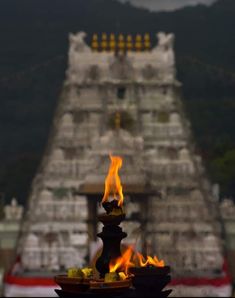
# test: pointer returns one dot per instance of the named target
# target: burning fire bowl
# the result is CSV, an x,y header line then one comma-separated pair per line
x,y
150,280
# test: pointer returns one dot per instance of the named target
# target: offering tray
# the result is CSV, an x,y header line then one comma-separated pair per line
x,y
72,284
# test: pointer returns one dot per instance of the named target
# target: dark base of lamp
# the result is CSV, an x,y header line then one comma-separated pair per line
x,y
131,293
111,236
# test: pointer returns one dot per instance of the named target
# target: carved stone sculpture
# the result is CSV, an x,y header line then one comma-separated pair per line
x,y
13,211
165,46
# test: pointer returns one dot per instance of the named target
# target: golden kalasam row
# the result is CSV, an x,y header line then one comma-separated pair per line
x,y
120,42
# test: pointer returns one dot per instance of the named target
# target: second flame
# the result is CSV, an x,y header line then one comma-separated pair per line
x,y
130,258
122,263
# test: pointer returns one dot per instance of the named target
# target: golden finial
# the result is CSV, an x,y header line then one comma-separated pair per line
x,y
147,36
121,42
129,42
104,43
95,43
117,120
112,42
138,42
147,43
104,36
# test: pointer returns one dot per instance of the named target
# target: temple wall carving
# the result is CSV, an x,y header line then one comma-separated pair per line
x,y
126,105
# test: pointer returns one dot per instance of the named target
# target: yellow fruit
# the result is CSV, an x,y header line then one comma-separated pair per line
x,y
111,276
88,272
75,272
122,275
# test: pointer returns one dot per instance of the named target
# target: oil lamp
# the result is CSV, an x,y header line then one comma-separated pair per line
x,y
127,274
111,234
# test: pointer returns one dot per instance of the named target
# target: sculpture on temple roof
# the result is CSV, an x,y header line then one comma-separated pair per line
x,y
165,41
13,211
77,42
165,46
77,45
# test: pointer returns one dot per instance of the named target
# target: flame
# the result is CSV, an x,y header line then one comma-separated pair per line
x,y
113,182
133,259
153,261
124,262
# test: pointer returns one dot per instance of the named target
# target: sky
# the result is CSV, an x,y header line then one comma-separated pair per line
x,y
158,5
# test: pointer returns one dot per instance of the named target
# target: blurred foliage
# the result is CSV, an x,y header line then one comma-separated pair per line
x,y
2,204
17,176
223,171
33,59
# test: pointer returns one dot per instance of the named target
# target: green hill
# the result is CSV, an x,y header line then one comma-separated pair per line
x,y
33,58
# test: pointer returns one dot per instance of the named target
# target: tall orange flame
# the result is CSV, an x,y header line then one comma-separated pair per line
x,y
113,185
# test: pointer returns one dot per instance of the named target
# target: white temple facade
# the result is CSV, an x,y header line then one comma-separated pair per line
x,y
126,104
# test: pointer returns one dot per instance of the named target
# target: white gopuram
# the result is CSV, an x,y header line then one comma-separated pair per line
x,y
124,102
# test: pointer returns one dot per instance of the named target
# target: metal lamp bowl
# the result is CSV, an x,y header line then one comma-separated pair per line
x,y
109,219
151,278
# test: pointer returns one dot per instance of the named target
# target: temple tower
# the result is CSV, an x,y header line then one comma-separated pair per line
x,y
122,97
